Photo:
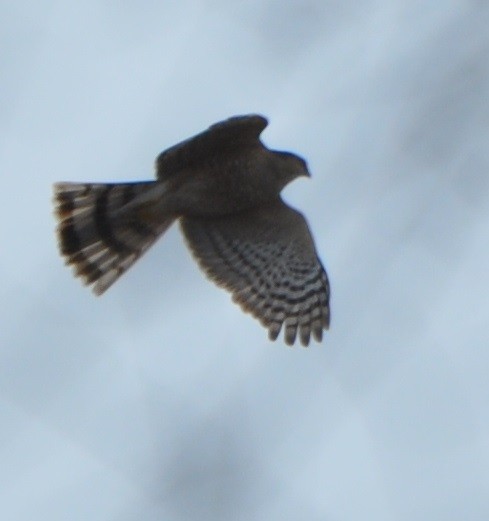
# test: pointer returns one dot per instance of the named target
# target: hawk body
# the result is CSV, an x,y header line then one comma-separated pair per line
x,y
223,185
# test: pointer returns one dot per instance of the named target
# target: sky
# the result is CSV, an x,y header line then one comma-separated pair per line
x,y
161,400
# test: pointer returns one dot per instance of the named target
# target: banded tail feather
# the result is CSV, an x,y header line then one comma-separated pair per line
x,y
104,228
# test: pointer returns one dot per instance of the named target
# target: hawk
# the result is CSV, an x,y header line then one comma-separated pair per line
x,y
223,186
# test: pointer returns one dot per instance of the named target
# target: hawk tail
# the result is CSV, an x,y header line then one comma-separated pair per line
x,y
103,228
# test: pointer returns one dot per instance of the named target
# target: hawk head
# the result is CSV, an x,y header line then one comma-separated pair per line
x,y
287,167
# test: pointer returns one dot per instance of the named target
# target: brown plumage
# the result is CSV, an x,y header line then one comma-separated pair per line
x,y
223,186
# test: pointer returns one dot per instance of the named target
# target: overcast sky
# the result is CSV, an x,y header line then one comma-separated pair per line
x,y
161,400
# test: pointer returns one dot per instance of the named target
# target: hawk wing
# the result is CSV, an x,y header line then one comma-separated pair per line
x,y
266,258
239,131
